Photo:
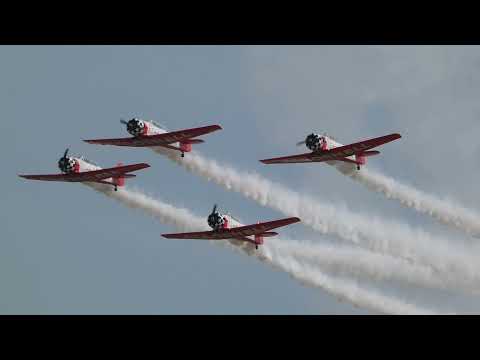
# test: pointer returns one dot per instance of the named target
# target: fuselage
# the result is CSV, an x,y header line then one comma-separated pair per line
x,y
218,221
86,165
316,142
73,164
230,222
139,127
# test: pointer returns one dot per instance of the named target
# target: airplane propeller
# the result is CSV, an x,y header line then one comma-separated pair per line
x,y
63,161
123,121
305,141
214,209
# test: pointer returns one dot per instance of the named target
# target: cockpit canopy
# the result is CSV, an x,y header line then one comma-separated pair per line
x,y
88,161
160,126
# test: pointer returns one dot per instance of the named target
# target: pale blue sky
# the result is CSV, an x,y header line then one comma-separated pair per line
x,y
67,249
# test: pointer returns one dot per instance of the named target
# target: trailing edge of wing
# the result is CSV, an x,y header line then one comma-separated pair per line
x,y
94,175
301,158
337,153
167,138
233,233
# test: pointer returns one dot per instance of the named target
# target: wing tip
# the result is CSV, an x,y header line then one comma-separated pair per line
x,y
141,165
168,236
213,127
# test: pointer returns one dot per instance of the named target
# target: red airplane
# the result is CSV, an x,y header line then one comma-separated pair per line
x,y
82,170
326,149
148,133
226,227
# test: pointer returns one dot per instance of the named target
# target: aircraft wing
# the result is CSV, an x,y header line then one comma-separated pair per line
x,y
302,158
160,139
95,175
335,153
236,233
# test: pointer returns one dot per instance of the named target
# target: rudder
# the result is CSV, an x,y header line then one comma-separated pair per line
x,y
119,181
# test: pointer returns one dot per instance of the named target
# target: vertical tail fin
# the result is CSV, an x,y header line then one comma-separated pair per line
x,y
361,159
119,181
186,146
258,238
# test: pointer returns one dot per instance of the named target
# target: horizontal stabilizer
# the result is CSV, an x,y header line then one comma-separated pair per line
x,y
269,234
193,141
370,153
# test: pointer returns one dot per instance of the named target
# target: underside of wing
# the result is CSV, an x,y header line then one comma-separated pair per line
x,y
186,136
123,170
357,148
262,228
53,177
338,153
302,158
114,172
118,142
95,175
238,233
201,235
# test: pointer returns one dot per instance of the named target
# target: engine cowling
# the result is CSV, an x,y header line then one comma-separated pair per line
x,y
137,127
68,165
216,221
315,142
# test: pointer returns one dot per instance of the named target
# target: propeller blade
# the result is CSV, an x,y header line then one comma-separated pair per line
x,y
65,153
123,121
301,143
214,208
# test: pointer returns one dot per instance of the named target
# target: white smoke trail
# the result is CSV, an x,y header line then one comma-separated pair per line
x,y
445,211
356,262
342,289
184,220
373,233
